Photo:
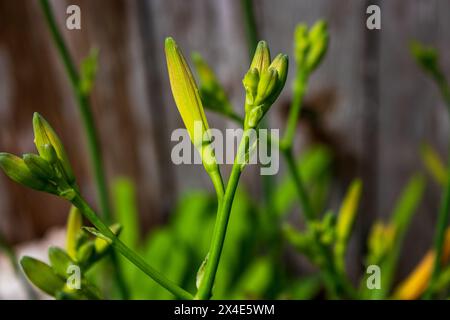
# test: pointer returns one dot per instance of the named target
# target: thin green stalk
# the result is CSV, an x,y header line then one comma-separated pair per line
x,y
444,211
217,181
298,94
442,222
85,111
205,289
299,185
286,143
129,254
90,132
251,30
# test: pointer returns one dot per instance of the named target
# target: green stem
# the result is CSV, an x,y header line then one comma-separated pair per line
x,y
251,31
217,181
89,129
129,254
205,289
442,222
444,211
299,185
85,111
299,90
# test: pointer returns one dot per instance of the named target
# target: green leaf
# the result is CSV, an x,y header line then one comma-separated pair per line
x,y
74,224
42,275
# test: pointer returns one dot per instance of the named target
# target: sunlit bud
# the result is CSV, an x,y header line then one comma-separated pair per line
x,y
74,223
39,166
15,168
45,135
184,90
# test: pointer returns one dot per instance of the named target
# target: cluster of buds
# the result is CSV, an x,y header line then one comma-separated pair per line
x,y
48,171
65,277
321,233
310,45
263,84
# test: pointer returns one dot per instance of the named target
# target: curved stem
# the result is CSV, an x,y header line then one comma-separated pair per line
x,y
129,254
89,129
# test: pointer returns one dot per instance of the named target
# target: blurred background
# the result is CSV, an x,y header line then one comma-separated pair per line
x,y
369,103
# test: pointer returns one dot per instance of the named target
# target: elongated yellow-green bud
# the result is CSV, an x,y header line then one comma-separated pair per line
x,y
189,104
347,213
74,224
45,135
39,166
184,90
15,168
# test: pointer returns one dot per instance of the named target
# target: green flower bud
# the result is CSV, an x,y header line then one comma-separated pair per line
x,y
310,46
318,37
74,223
39,166
254,117
45,135
263,84
266,86
15,168
49,153
301,43
250,82
42,275
60,261
86,252
261,59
